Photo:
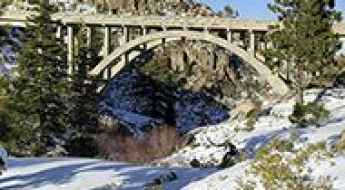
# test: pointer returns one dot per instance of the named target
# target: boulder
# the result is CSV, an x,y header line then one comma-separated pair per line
x,y
3,160
340,81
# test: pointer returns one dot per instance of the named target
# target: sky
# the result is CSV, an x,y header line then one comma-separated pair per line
x,y
254,9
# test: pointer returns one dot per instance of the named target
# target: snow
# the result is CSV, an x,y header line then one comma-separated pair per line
x,y
86,174
334,168
277,125
83,174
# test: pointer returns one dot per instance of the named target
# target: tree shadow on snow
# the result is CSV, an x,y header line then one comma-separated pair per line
x,y
133,177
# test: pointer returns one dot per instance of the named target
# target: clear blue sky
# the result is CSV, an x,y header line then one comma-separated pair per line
x,y
253,8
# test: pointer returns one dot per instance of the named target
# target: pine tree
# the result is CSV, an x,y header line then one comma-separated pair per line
x,y
83,109
304,39
83,93
38,97
228,12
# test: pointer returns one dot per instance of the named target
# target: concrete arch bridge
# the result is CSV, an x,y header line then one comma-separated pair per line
x,y
241,37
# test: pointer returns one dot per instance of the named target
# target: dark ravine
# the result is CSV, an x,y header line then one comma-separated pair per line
x,y
137,100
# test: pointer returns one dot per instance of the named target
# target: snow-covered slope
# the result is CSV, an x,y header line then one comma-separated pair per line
x,y
74,174
276,124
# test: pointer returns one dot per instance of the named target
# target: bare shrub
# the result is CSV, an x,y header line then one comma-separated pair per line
x,y
156,143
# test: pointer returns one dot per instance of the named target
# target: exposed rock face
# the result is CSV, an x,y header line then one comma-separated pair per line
x,y
201,67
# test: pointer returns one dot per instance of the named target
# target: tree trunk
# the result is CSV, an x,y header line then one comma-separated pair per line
x,y
300,86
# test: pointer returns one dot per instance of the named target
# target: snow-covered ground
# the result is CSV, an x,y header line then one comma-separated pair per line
x,y
88,174
276,124
85,174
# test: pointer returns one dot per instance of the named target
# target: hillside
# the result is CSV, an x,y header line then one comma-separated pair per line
x,y
74,173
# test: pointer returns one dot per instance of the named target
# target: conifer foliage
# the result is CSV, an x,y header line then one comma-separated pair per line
x,y
82,101
304,39
38,94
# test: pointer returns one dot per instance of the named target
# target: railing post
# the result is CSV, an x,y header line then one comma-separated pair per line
x,y
70,53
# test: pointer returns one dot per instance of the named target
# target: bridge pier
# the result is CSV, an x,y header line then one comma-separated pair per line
x,y
144,31
58,32
126,37
229,35
89,36
107,41
70,50
252,43
106,50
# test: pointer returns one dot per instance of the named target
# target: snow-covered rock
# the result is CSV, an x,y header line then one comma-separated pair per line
x,y
3,159
267,127
276,125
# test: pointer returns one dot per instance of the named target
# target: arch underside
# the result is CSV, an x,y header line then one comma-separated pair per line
x,y
277,85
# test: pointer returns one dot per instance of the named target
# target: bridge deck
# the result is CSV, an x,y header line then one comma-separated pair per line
x,y
153,21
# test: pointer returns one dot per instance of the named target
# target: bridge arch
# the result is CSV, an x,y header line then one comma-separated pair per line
x,y
277,85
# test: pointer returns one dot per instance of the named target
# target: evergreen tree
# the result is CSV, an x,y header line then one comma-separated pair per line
x,y
83,93
304,39
228,12
83,112
38,98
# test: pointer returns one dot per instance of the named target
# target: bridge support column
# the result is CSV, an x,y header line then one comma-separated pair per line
x,y
126,35
106,50
89,37
107,41
252,43
58,32
229,35
144,30
70,54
